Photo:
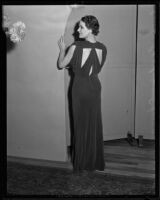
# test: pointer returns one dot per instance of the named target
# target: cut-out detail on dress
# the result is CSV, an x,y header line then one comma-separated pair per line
x,y
99,55
85,55
91,69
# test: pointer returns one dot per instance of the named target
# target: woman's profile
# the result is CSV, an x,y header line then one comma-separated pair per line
x,y
86,58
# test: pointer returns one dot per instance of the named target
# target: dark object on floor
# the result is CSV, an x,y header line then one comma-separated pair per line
x,y
140,140
131,140
34,180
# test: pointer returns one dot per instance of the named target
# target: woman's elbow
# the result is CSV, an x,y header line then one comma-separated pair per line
x,y
61,65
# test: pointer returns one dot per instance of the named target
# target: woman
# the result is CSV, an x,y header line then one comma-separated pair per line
x,y
86,59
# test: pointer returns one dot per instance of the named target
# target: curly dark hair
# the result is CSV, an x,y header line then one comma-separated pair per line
x,y
92,23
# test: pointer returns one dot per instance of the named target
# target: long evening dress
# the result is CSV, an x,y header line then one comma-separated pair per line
x,y
87,61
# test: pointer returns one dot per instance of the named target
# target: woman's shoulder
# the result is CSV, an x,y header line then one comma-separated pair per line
x,y
76,43
101,45
83,44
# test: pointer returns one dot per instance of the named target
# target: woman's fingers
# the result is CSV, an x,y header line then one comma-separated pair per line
x,y
61,42
62,39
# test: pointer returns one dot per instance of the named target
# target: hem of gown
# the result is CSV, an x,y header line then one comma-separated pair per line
x,y
89,169
85,172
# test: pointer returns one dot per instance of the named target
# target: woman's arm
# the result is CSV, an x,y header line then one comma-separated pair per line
x,y
63,59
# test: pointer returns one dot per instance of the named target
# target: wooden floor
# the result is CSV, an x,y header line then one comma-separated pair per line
x,y
123,159
120,157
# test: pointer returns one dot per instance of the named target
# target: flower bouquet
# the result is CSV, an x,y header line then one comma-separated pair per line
x,y
16,31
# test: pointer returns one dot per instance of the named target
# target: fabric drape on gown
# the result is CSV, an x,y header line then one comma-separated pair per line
x,y
88,153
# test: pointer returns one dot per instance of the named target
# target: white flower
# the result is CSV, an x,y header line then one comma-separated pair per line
x,y
17,31
14,38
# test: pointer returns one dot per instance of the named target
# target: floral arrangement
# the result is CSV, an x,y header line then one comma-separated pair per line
x,y
15,31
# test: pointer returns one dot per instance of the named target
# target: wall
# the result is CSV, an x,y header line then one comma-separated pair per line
x,y
145,73
117,77
35,87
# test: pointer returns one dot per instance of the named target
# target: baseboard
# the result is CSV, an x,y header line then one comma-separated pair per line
x,y
39,162
122,139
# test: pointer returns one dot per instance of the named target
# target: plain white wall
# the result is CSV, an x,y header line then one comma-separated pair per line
x,y
35,87
145,73
117,76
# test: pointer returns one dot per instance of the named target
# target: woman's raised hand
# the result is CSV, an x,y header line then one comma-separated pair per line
x,y
61,43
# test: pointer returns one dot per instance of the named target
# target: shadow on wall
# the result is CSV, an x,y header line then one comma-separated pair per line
x,y
9,44
69,94
75,35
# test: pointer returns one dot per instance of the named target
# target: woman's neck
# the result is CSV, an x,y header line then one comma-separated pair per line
x,y
91,38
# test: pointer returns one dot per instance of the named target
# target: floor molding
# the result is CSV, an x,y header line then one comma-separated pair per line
x,y
39,162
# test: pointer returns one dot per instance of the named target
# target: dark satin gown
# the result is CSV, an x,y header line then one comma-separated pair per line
x,y
88,149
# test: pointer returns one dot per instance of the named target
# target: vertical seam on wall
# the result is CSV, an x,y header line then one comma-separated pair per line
x,y
135,86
